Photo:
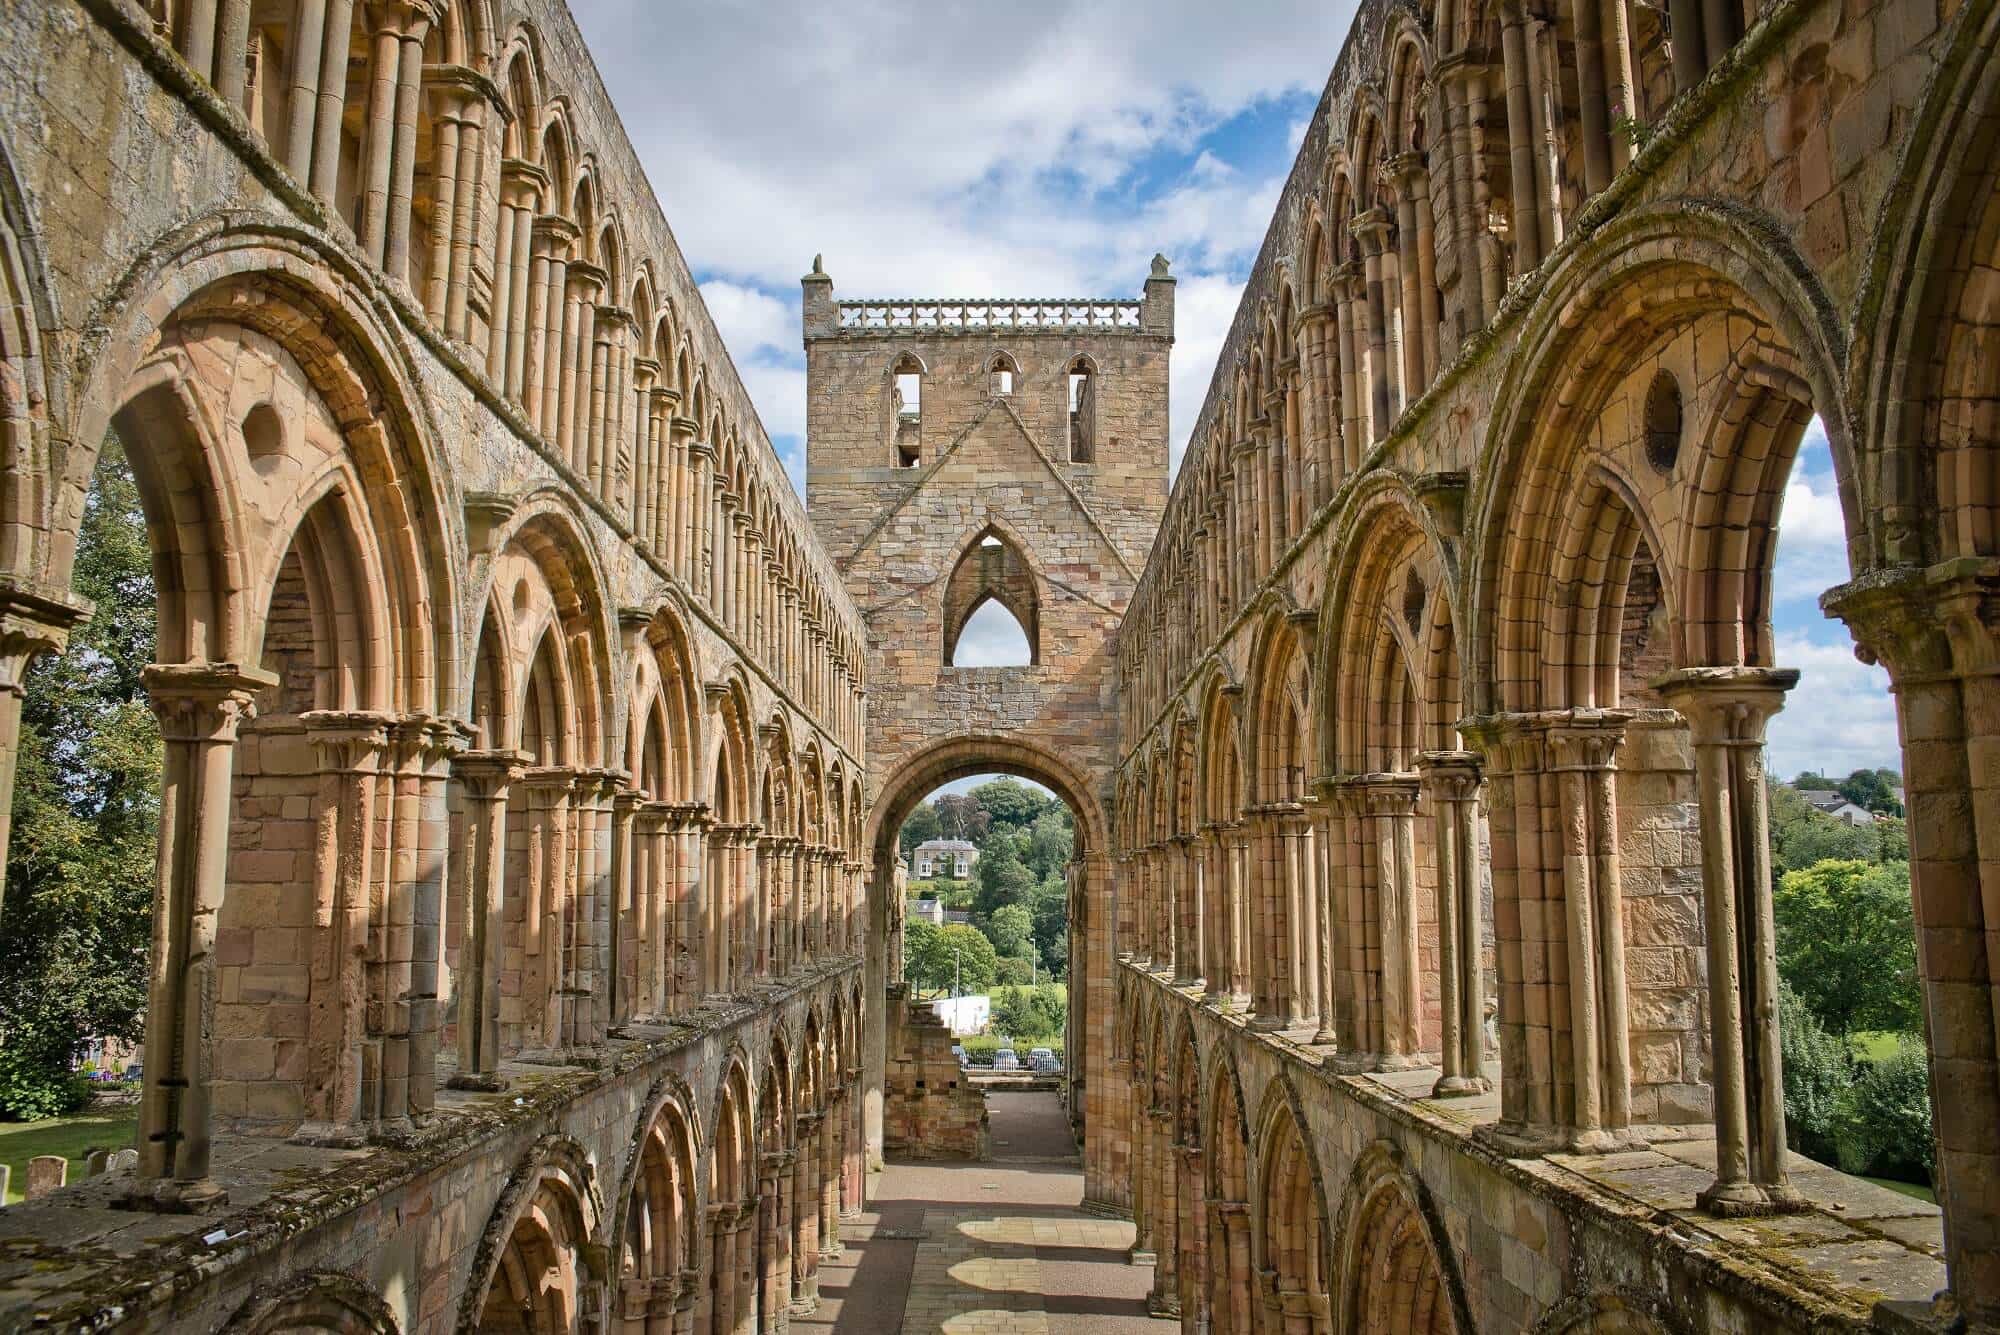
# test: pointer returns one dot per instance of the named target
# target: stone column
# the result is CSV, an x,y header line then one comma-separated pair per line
x,y
451,104
1385,322
1270,965
1728,709
722,1221
1165,1298
1231,1288
1301,899
1935,631
1356,427
1388,803
513,243
403,159
326,86
1584,747
1545,127
1524,228
1417,228
485,777
349,748
200,707
1329,842
1450,785
34,620
624,994
415,928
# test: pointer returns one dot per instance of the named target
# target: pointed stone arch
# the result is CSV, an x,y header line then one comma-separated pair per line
x,y
993,566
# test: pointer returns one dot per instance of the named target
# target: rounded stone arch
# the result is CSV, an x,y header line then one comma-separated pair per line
x,y
1617,1311
1181,795
1604,539
992,564
560,158
666,696
1918,371
1219,769
730,772
780,801
655,1227
1372,613
1290,1227
546,579
532,1252
1397,1271
329,1301
519,79
732,1129
1406,59
984,753
1695,261
320,320
1280,704
32,392
779,1082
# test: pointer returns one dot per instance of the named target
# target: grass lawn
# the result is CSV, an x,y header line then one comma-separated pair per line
x,y
1915,1189
1874,1044
71,1137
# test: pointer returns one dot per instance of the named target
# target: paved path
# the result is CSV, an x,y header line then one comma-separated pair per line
x,y
987,1248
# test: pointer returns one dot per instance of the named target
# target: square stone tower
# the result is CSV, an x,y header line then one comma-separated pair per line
x,y
966,450
961,451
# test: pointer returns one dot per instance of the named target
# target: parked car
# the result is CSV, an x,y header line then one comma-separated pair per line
x,y
1039,1052
1006,1060
958,1051
1046,1064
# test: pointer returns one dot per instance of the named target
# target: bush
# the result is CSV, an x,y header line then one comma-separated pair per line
x,y
1885,1118
1818,1072
35,1085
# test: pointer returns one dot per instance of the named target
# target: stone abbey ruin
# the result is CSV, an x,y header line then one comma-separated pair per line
x,y
527,933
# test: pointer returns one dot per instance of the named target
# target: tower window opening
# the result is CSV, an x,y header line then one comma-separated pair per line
x,y
906,418
1082,413
1000,376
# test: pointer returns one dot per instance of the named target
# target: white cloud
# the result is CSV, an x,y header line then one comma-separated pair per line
x,y
959,151
1812,539
1203,310
1840,717
991,638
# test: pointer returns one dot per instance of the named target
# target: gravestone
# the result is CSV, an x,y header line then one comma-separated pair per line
x,y
46,1173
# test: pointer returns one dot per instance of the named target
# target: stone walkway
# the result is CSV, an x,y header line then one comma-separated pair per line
x,y
986,1248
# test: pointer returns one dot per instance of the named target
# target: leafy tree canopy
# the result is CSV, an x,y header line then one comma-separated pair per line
x,y
1847,945
86,810
928,952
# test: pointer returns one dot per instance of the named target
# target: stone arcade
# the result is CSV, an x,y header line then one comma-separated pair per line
x,y
527,915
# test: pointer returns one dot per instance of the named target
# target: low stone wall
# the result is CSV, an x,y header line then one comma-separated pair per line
x,y
931,1109
410,1225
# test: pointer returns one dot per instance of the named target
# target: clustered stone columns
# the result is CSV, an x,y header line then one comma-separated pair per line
x,y
1727,710
1357,361
1164,1299
522,186
1558,929
1382,287
1229,1266
806,1191
1536,227
1417,264
389,162
1382,981
1187,899
200,708
1449,781
457,126
485,777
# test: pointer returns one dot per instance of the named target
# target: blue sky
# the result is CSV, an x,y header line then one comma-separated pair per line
x,y
1049,149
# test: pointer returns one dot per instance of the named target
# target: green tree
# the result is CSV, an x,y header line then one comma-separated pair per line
x,y
1817,1071
1847,944
86,819
1871,788
1011,930
1885,1120
928,956
1802,835
1051,840
961,817
1011,804
1049,905
921,827
1031,1012
1014,970
1001,877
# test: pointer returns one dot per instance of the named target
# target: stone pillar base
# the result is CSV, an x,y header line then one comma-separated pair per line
x,y
479,1084
167,1196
